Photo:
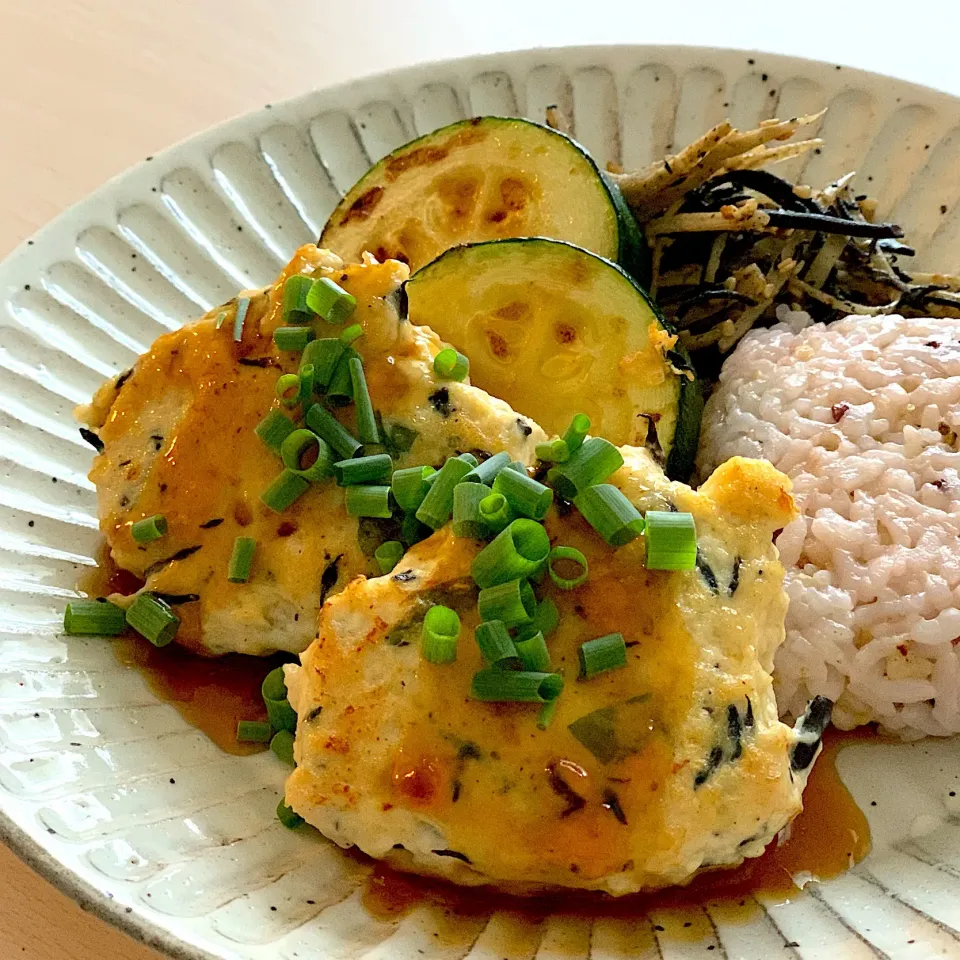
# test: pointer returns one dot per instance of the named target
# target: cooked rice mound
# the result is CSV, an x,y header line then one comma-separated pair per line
x,y
863,415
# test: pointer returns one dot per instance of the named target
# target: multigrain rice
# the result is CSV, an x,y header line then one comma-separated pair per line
x,y
864,416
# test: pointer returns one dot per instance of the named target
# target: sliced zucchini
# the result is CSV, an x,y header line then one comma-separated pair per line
x,y
556,330
484,179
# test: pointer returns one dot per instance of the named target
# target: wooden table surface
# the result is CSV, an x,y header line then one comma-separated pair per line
x,y
88,87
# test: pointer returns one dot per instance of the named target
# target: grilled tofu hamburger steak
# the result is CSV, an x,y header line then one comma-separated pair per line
x,y
660,755
178,441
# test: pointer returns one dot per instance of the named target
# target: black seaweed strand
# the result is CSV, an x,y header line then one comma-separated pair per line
x,y
735,576
92,439
329,578
611,802
706,571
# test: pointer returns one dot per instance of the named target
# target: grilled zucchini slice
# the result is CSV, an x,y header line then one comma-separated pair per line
x,y
555,330
487,178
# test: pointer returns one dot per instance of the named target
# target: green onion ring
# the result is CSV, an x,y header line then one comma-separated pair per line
x,y
438,638
573,555
296,446
288,390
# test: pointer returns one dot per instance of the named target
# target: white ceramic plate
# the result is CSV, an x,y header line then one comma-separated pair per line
x,y
111,794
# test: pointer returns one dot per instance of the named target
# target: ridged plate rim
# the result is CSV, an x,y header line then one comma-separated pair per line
x,y
57,238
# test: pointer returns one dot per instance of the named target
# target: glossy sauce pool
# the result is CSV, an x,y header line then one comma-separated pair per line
x,y
212,694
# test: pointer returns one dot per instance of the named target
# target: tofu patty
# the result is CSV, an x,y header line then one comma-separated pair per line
x,y
178,440
693,768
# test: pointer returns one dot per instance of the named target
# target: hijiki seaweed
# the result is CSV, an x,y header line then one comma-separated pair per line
x,y
730,241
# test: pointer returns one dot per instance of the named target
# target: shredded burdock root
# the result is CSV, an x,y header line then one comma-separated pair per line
x,y
730,241
557,120
658,186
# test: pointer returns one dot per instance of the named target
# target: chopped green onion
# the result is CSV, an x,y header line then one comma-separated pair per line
x,y
495,512
274,692
324,355
547,617
282,716
517,551
592,463
254,731
95,618
438,639
331,301
287,389
369,501
615,731
363,469
412,530
287,487
388,555
610,513
469,458
526,496
295,290
512,602
288,816
451,365
306,384
322,466
152,618
524,632
282,746
514,686
533,653
671,540
547,712
274,686
487,471
576,432
573,555
351,333
149,528
437,505
553,451
240,317
273,429
603,654
294,339
466,510
366,419
221,317
296,446
495,642
241,559
400,438
409,487
340,388
326,426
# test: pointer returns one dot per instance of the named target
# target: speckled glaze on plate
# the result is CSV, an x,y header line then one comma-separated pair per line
x,y
109,793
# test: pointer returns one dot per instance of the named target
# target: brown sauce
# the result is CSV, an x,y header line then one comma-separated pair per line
x,y
213,694
830,836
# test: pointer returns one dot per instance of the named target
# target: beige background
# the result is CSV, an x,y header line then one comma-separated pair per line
x,y
87,87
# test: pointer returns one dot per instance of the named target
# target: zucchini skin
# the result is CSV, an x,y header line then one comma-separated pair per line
x,y
632,254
